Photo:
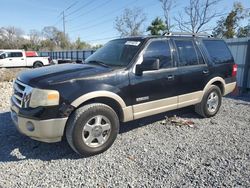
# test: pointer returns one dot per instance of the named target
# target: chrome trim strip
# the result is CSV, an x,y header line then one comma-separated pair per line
x,y
24,85
16,102
16,88
19,98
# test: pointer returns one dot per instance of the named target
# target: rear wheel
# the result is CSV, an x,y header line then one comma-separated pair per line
x,y
92,129
210,103
37,64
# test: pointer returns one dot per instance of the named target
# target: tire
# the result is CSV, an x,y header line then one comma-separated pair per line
x,y
38,64
92,129
210,103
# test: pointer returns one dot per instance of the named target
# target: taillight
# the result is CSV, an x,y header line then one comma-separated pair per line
x,y
50,60
234,72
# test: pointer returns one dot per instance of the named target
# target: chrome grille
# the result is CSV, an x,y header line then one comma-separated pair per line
x,y
20,91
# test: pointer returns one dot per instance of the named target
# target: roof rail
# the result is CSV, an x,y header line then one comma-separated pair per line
x,y
187,34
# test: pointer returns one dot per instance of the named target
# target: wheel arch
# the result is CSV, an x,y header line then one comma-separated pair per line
x,y
218,81
109,98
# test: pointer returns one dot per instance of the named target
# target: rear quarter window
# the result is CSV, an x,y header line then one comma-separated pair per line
x,y
218,51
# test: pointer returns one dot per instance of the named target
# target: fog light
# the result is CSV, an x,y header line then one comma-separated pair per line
x,y
30,126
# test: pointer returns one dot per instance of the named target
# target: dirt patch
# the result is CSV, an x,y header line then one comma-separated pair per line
x,y
8,75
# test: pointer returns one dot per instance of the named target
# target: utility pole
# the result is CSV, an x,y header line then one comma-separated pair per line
x,y
63,16
64,32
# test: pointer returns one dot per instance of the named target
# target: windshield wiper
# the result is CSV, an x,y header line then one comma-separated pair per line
x,y
98,63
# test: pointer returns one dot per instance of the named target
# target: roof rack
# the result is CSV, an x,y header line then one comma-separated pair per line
x,y
187,34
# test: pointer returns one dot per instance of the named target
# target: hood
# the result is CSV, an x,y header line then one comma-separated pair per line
x,y
42,77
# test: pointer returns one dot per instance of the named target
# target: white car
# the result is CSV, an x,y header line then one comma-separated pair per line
x,y
17,58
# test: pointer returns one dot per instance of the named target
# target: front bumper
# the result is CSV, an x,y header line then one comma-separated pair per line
x,y
49,131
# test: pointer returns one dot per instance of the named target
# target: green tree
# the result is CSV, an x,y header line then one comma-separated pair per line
x,y
54,38
228,27
231,22
157,26
79,45
244,31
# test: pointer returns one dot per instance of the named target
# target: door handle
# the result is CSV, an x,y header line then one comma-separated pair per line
x,y
22,59
170,77
205,71
10,59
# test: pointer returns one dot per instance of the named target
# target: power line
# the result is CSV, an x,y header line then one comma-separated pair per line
x,y
69,7
100,33
108,38
109,13
85,13
81,7
101,22
63,16
112,12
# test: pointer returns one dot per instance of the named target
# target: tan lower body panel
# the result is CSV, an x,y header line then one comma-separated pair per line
x,y
127,114
43,130
154,107
190,99
229,88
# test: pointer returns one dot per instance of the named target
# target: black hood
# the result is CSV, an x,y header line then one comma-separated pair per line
x,y
42,77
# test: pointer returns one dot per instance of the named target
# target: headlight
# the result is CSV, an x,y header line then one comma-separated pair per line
x,y
42,97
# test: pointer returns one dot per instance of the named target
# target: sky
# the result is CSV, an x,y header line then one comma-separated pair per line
x,y
91,20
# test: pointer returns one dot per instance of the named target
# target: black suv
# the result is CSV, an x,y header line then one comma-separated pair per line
x,y
127,79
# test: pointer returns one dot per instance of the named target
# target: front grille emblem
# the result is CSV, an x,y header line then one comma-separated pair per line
x,y
26,97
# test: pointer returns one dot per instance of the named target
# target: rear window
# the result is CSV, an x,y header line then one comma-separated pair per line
x,y
218,51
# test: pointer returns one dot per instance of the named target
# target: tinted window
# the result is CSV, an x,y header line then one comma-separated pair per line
x,y
186,52
118,52
218,51
159,49
15,54
200,57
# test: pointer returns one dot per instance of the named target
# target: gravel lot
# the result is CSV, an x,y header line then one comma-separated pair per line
x,y
214,153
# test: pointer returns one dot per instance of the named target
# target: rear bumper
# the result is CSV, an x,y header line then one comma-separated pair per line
x,y
49,131
229,88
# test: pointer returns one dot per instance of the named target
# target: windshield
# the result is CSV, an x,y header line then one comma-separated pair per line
x,y
118,52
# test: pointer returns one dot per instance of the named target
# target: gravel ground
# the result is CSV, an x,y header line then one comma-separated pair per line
x,y
214,153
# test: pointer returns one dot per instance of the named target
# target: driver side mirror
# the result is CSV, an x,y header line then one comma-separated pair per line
x,y
147,65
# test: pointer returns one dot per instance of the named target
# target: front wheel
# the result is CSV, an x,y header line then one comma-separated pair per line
x,y
210,103
92,129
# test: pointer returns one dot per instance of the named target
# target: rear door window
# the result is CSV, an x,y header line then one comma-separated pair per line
x,y
218,51
186,52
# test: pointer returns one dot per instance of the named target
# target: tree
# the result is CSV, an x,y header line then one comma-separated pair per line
x,y
219,30
231,22
244,31
11,36
167,5
34,40
54,38
197,15
228,27
130,22
156,26
79,45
